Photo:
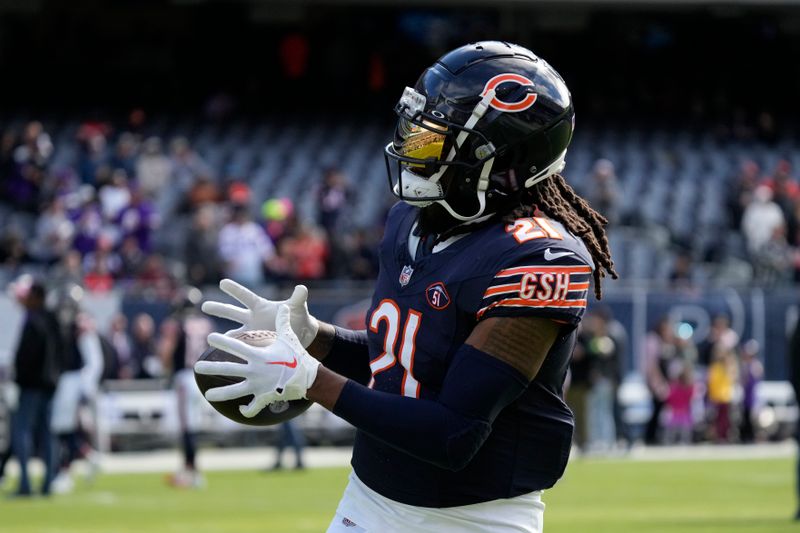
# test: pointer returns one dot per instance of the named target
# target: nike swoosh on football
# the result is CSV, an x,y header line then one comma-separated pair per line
x,y
550,256
291,364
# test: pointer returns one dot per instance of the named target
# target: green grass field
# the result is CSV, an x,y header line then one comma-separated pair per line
x,y
595,496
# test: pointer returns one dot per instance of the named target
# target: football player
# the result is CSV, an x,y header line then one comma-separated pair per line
x,y
455,385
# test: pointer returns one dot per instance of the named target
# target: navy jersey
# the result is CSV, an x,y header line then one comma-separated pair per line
x,y
422,312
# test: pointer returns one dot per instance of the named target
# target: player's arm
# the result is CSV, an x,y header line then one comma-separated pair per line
x,y
343,351
492,368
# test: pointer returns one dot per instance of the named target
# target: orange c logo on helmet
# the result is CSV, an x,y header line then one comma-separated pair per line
x,y
511,107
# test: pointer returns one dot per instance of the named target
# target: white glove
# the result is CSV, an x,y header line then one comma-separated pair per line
x,y
281,371
259,313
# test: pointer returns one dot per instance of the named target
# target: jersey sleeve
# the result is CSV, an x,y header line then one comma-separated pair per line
x,y
535,286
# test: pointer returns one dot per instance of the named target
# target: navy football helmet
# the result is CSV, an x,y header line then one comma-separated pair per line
x,y
485,122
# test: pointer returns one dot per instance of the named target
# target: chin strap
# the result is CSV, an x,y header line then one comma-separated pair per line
x,y
483,184
486,170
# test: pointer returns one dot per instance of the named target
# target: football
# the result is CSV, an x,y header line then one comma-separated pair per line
x,y
274,413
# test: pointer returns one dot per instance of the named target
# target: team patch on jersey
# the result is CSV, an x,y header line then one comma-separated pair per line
x,y
405,275
437,296
539,289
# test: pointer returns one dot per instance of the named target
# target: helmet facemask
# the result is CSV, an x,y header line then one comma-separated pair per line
x,y
429,155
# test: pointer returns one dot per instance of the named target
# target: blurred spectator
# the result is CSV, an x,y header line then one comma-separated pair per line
x,y
578,390
102,265
7,428
361,249
760,219
8,167
125,154
742,188
132,258
305,253
182,342
153,169
37,366
154,278
664,351
68,272
201,253
144,361
98,278
36,148
115,195
120,340
12,250
774,262
751,372
603,354
657,355
76,390
292,436
203,191
54,233
785,190
720,329
88,226
187,165
680,421
722,378
794,238
138,219
26,183
239,193
332,196
602,191
245,249
93,158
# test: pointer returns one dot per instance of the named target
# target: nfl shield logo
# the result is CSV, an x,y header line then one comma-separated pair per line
x,y
405,275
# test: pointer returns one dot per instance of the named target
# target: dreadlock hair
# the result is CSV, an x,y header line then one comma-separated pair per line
x,y
556,199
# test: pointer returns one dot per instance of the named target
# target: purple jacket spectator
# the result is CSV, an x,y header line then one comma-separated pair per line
x,y
138,219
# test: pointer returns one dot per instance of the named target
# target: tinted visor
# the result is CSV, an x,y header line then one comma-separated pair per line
x,y
421,145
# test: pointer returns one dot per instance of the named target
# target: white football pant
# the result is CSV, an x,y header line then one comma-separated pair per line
x,y
362,510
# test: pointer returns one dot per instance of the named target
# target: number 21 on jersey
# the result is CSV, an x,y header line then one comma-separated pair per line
x,y
528,229
388,312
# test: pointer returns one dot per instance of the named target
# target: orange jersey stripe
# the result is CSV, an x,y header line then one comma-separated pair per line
x,y
543,303
500,289
516,271
519,302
